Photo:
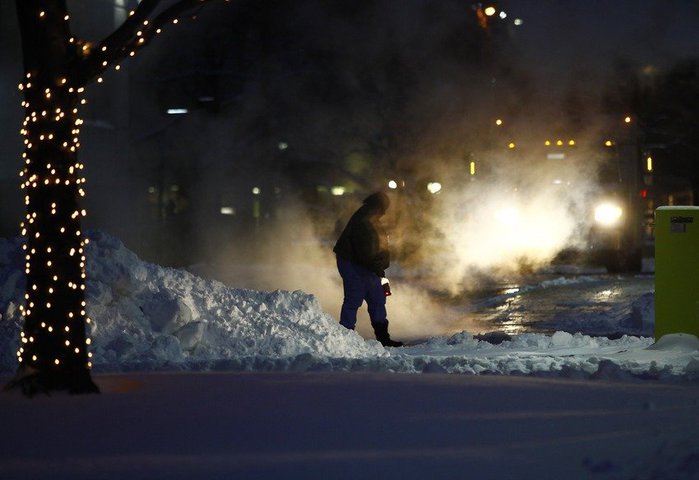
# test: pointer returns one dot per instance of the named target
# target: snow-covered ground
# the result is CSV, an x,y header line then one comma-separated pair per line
x,y
147,317
202,380
329,425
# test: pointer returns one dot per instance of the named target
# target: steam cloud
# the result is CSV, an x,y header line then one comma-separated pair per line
x,y
407,89
417,114
521,215
290,255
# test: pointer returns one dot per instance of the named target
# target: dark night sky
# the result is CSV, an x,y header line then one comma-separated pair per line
x,y
564,37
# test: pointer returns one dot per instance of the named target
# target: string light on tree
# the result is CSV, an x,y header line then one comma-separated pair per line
x,y
55,312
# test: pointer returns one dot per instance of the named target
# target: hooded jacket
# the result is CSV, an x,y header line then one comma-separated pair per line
x,y
363,241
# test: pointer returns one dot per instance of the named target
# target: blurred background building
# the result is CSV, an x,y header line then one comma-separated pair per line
x,y
213,132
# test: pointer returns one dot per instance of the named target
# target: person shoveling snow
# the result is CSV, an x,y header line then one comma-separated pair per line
x,y
362,258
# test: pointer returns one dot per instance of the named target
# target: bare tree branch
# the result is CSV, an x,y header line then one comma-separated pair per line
x,y
135,33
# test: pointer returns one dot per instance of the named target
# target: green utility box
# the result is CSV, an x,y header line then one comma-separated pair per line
x,y
676,270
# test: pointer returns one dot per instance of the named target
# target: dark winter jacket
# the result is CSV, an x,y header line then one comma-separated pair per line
x,y
363,241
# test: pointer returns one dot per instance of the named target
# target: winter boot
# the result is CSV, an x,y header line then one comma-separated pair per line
x,y
381,332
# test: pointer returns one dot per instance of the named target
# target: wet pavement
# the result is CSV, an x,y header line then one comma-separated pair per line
x,y
591,304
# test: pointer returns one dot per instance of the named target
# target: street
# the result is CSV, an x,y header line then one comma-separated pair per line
x,y
598,304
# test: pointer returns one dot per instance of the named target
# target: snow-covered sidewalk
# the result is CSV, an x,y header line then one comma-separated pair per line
x,y
352,426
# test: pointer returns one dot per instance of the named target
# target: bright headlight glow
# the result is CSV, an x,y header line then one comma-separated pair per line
x,y
508,216
607,213
434,187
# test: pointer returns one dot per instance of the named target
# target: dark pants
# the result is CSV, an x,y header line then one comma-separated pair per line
x,y
360,284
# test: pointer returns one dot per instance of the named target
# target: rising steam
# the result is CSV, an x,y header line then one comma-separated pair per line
x,y
523,212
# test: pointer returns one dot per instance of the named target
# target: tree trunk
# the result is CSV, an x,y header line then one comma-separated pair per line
x,y
57,67
53,354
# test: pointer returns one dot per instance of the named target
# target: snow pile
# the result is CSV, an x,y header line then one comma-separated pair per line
x,y
561,354
146,317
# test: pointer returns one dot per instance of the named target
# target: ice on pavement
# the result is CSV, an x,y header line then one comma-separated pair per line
x,y
147,317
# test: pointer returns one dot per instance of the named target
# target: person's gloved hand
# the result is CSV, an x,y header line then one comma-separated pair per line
x,y
386,286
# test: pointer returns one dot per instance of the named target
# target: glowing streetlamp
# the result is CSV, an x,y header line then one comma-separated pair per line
x,y
434,187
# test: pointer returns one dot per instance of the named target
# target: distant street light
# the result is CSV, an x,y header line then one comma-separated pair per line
x,y
490,11
434,187
227,210
177,111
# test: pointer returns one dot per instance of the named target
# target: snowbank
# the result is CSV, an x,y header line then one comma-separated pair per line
x,y
146,317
